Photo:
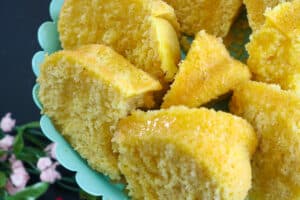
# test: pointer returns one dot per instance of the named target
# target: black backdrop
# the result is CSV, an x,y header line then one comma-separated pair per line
x,y
20,20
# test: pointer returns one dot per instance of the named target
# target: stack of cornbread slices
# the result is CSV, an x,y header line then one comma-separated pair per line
x,y
120,96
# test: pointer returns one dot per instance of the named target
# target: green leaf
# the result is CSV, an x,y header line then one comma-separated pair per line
x,y
2,153
30,193
37,141
5,168
18,143
35,132
31,125
27,157
34,151
30,155
3,194
1,134
3,180
67,186
85,196
33,171
71,180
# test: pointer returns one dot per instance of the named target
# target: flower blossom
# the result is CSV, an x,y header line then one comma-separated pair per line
x,y
19,177
48,170
51,150
7,142
7,123
43,163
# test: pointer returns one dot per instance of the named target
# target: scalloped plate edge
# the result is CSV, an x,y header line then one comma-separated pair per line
x,y
89,180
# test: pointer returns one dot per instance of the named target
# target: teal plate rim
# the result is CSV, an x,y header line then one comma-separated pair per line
x,y
88,179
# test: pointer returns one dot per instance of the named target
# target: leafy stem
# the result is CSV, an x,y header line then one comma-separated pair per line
x,y
31,125
67,187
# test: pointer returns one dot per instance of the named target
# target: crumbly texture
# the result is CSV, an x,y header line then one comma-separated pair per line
x,y
214,16
183,153
274,50
144,31
275,116
85,92
256,10
207,73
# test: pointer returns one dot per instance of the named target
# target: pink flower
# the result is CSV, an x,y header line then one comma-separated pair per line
x,y
6,142
51,150
43,163
49,173
19,177
16,164
7,123
18,169
11,189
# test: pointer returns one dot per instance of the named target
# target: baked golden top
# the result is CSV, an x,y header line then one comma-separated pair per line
x,y
275,116
143,31
106,65
256,10
207,72
215,16
195,153
85,92
120,55
274,50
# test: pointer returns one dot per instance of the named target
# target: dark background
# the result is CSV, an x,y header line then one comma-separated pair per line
x,y
20,20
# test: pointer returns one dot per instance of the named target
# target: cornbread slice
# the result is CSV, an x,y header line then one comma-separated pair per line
x,y
144,31
256,10
207,73
86,92
184,153
274,50
275,115
215,16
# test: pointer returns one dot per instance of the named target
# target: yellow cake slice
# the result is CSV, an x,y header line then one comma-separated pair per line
x,y
256,10
215,16
275,115
183,153
85,92
207,73
144,31
274,50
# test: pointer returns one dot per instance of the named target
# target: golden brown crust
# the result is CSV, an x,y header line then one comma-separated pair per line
x,y
214,16
275,116
256,11
183,153
207,73
85,92
143,31
274,50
